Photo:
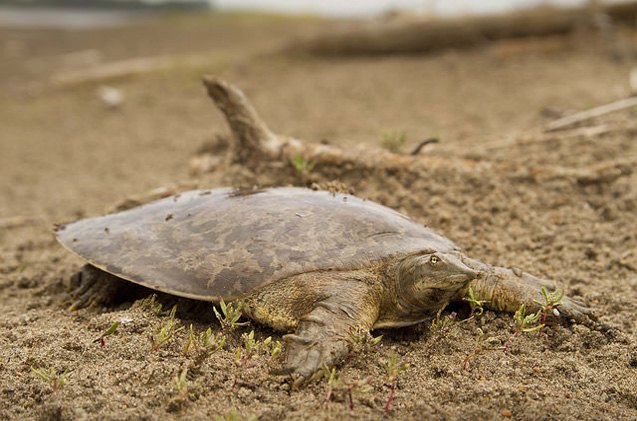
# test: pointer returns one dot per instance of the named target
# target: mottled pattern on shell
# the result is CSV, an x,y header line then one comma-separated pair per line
x,y
224,243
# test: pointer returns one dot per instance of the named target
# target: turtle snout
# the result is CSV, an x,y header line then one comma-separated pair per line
x,y
463,269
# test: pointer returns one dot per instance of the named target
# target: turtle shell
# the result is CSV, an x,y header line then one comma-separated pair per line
x,y
223,243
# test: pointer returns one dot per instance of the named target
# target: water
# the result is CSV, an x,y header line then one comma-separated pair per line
x,y
350,8
91,18
50,17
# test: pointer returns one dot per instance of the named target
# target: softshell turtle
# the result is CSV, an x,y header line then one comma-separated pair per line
x,y
310,262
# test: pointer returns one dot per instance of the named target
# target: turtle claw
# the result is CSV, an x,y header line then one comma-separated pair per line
x,y
306,357
575,310
93,287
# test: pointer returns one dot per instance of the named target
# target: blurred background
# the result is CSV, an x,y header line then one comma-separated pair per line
x,y
101,102
97,93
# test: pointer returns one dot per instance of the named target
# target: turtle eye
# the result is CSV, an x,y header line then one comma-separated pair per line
x,y
434,259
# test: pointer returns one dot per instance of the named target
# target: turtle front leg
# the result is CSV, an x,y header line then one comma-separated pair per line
x,y
93,286
506,289
323,336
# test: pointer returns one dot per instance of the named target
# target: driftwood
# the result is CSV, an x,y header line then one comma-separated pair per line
x,y
124,69
256,143
576,118
426,36
255,146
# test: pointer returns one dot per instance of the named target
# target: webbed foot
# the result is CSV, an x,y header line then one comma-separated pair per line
x,y
322,338
506,289
307,357
95,287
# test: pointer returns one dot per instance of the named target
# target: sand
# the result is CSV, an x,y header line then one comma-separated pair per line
x,y
562,205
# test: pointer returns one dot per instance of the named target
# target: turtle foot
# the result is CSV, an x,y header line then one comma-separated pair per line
x,y
307,357
95,287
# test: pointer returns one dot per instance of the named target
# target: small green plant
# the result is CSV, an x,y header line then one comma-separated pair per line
x,y
57,380
477,348
361,338
393,140
273,348
474,303
336,384
393,368
206,342
524,323
550,304
249,351
332,381
191,342
165,331
210,342
240,362
151,304
111,330
302,165
527,322
440,324
181,386
229,316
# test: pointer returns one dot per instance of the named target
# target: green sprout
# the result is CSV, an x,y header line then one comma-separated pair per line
x,y
332,382
229,316
475,303
527,322
301,165
165,331
181,386
336,384
55,379
191,342
111,330
524,323
211,342
362,338
250,349
441,324
393,140
551,303
151,304
393,369
273,348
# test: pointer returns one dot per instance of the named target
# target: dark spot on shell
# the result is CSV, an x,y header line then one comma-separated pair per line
x,y
168,217
106,230
74,240
204,193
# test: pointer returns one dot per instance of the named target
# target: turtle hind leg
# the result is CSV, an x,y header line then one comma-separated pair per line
x,y
94,287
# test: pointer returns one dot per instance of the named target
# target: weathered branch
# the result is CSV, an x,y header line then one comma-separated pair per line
x,y
573,119
252,134
431,35
256,143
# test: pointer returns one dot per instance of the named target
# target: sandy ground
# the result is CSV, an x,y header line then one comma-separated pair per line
x,y
563,206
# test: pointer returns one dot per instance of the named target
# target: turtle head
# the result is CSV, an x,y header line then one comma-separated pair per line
x,y
430,280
